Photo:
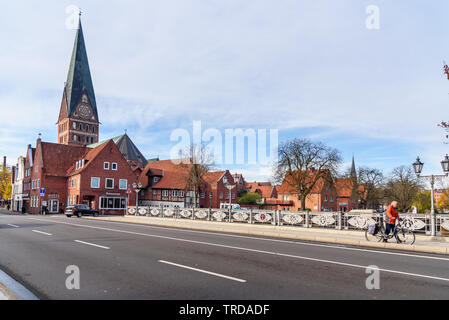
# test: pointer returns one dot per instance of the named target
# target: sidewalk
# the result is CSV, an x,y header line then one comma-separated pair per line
x,y
423,243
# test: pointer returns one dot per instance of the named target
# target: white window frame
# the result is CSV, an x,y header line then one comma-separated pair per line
x,y
120,184
165,193
106,165
106,183
174,193
116,166
154,192
92,180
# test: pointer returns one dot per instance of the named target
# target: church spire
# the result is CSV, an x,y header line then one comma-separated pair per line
x,y
353,173
79,80
78,117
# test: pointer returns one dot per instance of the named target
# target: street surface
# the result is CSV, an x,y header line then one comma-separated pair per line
x,y
128,261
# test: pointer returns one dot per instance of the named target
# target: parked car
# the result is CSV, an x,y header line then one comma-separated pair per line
x,y
80,210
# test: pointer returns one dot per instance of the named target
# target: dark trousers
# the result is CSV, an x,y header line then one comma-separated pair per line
x,y
389,228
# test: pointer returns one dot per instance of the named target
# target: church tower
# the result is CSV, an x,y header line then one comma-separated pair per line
x,y
78,122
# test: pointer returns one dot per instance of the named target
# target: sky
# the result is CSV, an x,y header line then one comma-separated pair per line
x,y
309,69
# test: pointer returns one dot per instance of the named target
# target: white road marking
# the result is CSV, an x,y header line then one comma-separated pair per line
x,y
203,271
341,247
44,233
92,244
254,250
13,225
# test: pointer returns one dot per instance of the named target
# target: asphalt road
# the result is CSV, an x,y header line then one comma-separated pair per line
x,y
127,261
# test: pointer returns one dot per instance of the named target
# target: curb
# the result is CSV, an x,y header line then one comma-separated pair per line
x,y
394,246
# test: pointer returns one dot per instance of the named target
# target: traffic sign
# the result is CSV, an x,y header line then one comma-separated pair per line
x,y
42,191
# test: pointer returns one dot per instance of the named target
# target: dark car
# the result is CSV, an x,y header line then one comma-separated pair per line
x,y
80,210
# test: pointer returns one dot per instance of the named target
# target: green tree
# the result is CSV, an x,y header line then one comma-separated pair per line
x,y
250,198
422,202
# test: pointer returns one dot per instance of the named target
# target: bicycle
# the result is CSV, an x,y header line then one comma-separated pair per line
x,y
402,235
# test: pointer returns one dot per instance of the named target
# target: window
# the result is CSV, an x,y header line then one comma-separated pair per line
x,y
114,166
95,183
325,198
203,195
165,193
211,195
156,179
175,193
154,192
74,126
109,183
106,166
112,203
233,196
332,198
221,195
181,194
123,184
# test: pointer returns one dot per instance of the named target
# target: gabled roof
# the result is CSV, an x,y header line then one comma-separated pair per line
x,y
344,187
127,148
79,80
56,159
88,156
288,183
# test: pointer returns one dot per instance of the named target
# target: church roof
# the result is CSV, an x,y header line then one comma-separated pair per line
x,y
126,147
79,80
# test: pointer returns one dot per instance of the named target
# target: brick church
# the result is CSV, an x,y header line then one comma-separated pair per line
x,y
80,169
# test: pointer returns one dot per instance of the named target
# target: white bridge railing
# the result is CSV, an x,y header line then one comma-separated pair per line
x,y
329,220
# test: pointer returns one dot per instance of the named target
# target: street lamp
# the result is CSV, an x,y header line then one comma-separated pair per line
x,y
137,188
418,167
229,187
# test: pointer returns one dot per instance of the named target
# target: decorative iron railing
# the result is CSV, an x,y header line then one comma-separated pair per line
x,y
418,223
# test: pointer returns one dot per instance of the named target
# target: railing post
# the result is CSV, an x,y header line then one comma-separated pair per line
x,y
307,219
193,213
251,216
339,220
230,213
433,225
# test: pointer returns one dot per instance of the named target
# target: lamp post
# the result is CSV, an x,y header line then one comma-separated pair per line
x,y
418,167
229,187
137,188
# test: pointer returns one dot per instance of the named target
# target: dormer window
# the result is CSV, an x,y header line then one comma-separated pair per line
x,y
156,179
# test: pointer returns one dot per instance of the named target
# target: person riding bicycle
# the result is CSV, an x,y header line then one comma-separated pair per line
x,y
391,215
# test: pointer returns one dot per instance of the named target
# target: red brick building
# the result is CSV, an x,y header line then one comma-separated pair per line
x,y
323,196
166,183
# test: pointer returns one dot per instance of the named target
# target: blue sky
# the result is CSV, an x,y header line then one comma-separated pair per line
x,y
307,68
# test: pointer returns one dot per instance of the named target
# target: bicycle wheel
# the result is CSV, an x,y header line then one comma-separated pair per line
x,y
373,238
405,237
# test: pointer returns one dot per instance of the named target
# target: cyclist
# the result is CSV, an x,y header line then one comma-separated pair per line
x,y
391,215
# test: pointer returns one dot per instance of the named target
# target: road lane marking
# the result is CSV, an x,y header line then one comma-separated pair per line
x,y
203,271
13,225
92,244
40,232
257,251
260,239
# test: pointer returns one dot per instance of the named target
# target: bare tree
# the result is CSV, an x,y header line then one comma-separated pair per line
x,y
197,161
370,187
302,163
402,186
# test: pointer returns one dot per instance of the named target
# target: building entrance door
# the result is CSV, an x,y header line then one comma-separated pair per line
x,y
54,206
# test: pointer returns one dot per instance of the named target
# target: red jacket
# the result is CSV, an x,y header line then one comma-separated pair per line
x,y
391,215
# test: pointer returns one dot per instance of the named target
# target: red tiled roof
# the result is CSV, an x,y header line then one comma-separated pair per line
x,y
344,187
287,185
89,155
58,158
264,191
